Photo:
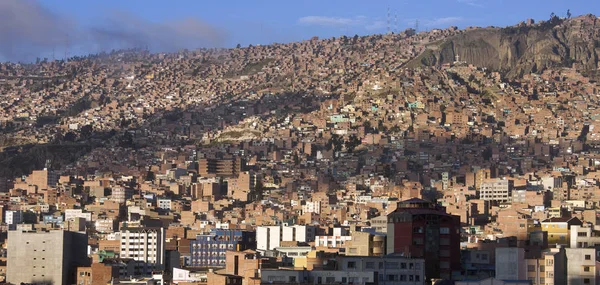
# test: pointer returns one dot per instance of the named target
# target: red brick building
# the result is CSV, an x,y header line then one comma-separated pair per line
x,y
421,229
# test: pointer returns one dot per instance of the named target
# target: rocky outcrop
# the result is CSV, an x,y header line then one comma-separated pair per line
x,y
523,49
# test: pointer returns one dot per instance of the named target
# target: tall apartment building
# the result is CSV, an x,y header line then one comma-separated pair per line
x,y
270,237
210,167
240,187
209,250
146,246
498,190
510,263
422,229
45,256
581,266
121,194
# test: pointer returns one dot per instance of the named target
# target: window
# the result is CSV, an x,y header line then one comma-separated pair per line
x,y
582,234
444,231
530,268
351,264
344,279
586,281
403,265
329,280
417,278
352,250
586,268
588,257
411,278
370,265
550,262
292,278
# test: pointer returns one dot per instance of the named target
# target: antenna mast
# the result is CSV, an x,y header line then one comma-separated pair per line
x,y
388,20
67,47
396,21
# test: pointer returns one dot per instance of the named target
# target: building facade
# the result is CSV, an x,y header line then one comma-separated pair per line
x,y
209,250
421,229
146,246
50,257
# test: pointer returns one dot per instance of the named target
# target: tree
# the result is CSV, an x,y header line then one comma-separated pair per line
x,y
86,131
70,137
352,143
150,176
259,188
552,15
569,14
238,46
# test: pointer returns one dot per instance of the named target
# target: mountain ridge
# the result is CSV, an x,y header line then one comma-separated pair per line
x,y
522,49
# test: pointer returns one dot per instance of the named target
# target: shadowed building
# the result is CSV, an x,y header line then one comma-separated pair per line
x,y
45,256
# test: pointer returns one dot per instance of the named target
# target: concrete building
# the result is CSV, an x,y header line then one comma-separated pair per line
x,y
380,224
511,264
581,266
498,190
146,246
549,269
583,237
71,214
208,250
365,244
422,229
121,194
387,270
270,237
45,256
163,203
493,281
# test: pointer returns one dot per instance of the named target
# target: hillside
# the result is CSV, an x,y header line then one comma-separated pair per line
x,y
524,48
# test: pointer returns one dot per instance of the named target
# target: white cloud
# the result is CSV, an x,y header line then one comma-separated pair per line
x,y
474,3
376,25
331,21
442,22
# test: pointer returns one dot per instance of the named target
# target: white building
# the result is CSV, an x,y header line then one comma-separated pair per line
x,y
581,266
270,237
13,218
312,207
164,203
499,190
71,214
146,246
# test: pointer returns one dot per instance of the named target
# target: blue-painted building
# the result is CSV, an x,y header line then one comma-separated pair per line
x,y
208,250
51,219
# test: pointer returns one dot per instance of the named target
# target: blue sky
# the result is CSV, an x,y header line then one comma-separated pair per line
x,y
226,23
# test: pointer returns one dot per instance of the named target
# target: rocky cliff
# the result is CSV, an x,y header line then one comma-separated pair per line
x,y
524,48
